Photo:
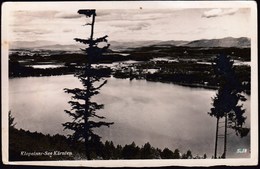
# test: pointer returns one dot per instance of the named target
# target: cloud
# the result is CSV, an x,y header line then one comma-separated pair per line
x,y
139,26
131,25
68,15
67,30
219,12
103,13
133,15
121,24
26,17
31,31
34,14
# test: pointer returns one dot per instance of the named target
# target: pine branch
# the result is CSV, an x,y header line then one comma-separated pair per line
x,y
76,105
93,73
84,50
241,131
95,79
94,136
75,116
94,124
96,106
97,88
87,12
84,41
91,41
81,93
73,126
87,24
104,49
75,91
77,136
100,117
102,39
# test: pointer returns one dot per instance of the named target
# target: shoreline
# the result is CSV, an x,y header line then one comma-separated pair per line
x,y
191,85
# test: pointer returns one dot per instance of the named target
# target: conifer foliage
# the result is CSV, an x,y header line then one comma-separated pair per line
x,y
227,103
83,109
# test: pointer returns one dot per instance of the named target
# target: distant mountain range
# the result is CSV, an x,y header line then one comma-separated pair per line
x,y
228,42
224,42
115,45
242,42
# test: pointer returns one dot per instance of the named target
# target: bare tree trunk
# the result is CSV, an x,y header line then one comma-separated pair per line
x,y
225,138
92,27
216,139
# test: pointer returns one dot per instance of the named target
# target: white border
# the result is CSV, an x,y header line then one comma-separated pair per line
x,y
135,5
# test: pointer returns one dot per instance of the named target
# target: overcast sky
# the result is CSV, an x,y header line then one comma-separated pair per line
x,y
61,24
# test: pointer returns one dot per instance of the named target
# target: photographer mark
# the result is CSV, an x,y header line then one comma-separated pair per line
x,y
46,153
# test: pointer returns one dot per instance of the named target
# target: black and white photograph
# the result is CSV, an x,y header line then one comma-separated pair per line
x,y
129,83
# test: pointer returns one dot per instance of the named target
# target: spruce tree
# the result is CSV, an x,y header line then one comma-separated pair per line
x,y
83,109
227,102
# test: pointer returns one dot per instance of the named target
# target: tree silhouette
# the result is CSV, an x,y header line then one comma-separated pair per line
x,y
83,110
189,155
226,103
130,151
167,154
176,154
11,120
149,152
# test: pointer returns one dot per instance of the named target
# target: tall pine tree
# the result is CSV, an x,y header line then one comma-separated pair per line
x,y
227,102
83,109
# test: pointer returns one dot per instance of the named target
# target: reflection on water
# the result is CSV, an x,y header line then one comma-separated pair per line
x,y
47,66
165,115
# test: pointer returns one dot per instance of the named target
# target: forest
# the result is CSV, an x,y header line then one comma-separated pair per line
x,y
48,145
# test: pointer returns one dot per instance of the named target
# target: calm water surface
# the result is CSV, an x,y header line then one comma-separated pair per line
x,y
165,115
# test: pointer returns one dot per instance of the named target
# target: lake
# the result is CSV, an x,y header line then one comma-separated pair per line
x,y
165,115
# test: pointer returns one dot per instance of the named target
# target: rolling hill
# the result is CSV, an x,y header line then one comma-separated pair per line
x,y
224,42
